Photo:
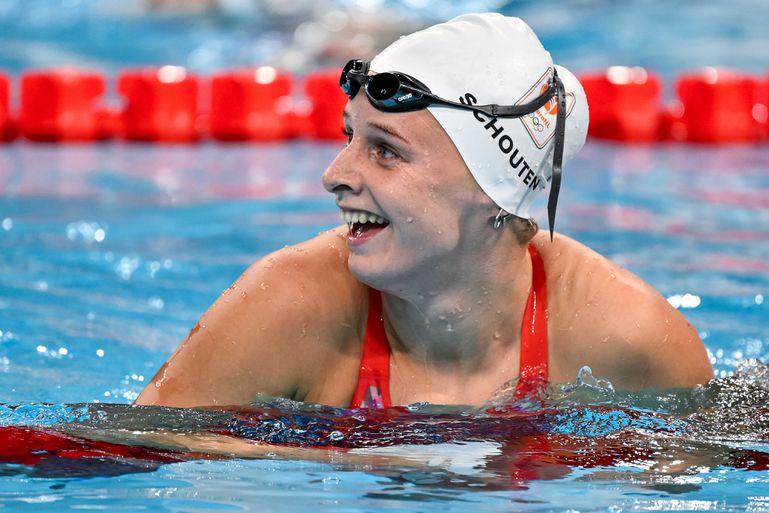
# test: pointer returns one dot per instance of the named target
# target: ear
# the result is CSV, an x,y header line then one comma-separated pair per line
x,y
500,219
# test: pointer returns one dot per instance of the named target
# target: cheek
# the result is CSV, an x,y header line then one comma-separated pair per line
x,y
439,200
439,220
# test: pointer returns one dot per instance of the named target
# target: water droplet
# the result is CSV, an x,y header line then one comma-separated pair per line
x,y
156,303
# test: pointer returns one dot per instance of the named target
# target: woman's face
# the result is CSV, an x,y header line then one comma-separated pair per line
x,y
413,207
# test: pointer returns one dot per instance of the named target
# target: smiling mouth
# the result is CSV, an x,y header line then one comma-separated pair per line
x,y
361,223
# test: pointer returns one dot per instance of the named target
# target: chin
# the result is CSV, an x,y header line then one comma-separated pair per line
x,y
360,267
385,275
373,271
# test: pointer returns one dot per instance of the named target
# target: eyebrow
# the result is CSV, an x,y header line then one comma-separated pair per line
x,y
378,126
387,130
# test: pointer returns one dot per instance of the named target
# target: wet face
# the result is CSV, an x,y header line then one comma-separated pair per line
x,y
413,208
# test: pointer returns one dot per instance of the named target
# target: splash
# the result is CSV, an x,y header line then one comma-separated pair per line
x,y
585,424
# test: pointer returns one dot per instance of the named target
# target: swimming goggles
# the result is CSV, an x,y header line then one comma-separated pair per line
x,y
397,92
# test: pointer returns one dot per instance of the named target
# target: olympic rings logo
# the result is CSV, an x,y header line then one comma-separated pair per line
x,y
537,124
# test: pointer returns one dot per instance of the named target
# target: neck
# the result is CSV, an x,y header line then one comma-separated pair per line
x,y
466,324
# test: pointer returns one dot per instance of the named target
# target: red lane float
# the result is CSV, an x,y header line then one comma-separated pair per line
x,y
61,105
761,109
161,104
6,123
624,104
719,106
328,102
671,123
250,105
299,119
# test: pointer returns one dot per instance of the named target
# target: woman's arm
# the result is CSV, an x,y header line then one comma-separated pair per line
x,y
268,333
605,317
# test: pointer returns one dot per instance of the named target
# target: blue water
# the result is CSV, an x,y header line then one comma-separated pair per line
x,y
110,252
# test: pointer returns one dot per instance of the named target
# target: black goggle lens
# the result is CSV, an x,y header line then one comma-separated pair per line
x,y
352,77
387,91
383,87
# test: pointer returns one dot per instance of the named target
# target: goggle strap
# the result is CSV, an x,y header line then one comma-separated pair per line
x,y
516,111
492,109
560,136
359,69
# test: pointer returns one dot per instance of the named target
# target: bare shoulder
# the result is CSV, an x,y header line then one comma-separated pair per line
x,y
606,317
314,271
289,314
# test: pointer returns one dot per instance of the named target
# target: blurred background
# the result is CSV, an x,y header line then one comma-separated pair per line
x,y
301,35
110,251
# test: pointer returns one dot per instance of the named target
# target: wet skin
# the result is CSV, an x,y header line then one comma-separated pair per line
x,y
453,289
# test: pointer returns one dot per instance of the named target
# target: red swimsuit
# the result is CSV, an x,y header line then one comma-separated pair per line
x,y
373,388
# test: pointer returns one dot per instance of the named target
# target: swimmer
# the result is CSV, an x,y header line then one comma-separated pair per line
x,y
440,287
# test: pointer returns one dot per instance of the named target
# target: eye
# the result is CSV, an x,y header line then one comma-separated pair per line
x,y
347,131
384,152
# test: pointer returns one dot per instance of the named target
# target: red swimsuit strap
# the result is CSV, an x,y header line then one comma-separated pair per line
x,y
533,365
373,387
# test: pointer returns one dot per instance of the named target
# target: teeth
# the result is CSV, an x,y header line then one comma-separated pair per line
x,y
356,216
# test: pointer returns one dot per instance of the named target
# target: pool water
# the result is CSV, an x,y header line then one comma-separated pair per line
x,y
110,252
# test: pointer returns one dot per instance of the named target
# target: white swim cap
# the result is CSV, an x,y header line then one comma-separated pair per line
x,y
494,59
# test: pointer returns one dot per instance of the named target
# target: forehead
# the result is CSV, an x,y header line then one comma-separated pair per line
x,y
416,128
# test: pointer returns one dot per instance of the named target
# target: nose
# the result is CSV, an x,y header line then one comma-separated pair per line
x,y
342,174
